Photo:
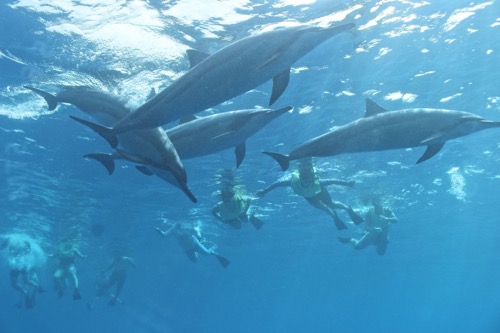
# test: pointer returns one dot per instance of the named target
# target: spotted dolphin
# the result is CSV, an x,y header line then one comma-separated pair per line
x,y
229,72
381,129
153,145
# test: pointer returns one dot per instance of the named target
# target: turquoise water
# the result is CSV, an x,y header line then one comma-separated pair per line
x,y
441,269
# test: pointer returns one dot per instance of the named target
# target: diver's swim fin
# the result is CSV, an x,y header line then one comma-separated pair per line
x,y
76,294
256,222
223,260
355,218
338,222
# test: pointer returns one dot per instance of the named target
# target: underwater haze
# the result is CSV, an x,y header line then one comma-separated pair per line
x,y
441,269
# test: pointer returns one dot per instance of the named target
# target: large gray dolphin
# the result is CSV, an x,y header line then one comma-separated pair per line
x,y
153,145
217,132
231,71
380,130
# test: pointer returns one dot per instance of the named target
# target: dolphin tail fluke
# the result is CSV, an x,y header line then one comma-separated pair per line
x,y
283,160
49,98
106,132
223,260
105,159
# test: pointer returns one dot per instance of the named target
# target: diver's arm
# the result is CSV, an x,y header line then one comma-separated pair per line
x,y
78,253
282,183
130,261
327,182
164,233
389,216
215,211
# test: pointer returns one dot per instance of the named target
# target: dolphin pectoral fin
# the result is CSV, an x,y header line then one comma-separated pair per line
x,y
106,160
283,160
430,151
106,132
49,98
144,170
195,57
280,82
240,151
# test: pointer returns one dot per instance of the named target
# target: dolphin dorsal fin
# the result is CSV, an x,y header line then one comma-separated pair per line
x,y
373,108
152,93
195,57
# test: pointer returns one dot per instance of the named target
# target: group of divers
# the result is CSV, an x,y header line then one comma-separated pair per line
x,y
137,136
26,257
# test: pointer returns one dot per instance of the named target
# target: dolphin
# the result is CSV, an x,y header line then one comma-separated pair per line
x,y
229,72
204,136
381,129
151,146
217,132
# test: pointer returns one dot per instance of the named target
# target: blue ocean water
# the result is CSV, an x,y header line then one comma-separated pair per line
x,y
441,269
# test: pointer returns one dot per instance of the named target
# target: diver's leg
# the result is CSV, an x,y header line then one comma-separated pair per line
x,y
192,255
14,281
355,218
382,241
235,224
58,281
74,278
364,241
120,281
317,203
199,247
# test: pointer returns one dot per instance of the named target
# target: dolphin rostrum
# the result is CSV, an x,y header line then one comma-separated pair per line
x,y
381,129
229,72
151,146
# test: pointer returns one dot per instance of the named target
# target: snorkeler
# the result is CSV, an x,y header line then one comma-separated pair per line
x,y
66,256
305,182
376,229
118,268
24,256
234,206
189,239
